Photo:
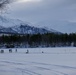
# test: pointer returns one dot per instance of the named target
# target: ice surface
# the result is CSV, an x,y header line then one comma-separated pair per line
x,y
53,61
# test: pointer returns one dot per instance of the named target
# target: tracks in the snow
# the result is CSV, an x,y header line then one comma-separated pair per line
x,y
35,68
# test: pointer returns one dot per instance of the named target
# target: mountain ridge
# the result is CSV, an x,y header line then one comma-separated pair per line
x,y
17,26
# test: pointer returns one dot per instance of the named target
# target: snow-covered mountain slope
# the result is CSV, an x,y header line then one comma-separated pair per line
x,y
62,26
7,22
17,26
7,30
26,29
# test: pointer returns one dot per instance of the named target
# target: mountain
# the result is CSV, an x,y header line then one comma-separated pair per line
x,y
17,26
7,30
7,22
62,26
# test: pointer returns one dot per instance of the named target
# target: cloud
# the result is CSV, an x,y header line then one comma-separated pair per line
x,y
45,10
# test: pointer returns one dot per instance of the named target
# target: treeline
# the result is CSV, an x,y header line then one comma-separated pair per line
x,y
38,40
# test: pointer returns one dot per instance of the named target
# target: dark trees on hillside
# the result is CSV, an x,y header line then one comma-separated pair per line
x,y
36,40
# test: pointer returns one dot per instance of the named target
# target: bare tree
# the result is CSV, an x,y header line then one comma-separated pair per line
x,y
4,4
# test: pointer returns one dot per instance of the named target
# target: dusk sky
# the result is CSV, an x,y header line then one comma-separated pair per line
x,y
44,11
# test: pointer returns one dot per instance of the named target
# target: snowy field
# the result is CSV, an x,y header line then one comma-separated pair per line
x,y
53,61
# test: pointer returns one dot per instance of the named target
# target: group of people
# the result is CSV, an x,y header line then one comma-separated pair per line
x,y
10,51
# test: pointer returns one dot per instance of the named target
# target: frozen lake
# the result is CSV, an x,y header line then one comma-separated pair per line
x,y
53,61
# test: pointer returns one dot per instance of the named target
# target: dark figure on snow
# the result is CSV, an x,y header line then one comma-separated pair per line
x,y
10,50
2,51
16,50
27,52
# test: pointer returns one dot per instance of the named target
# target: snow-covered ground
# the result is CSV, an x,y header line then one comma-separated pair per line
x,y
53,61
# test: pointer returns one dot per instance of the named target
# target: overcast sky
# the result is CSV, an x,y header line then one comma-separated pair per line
x,y
39,10
35,11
